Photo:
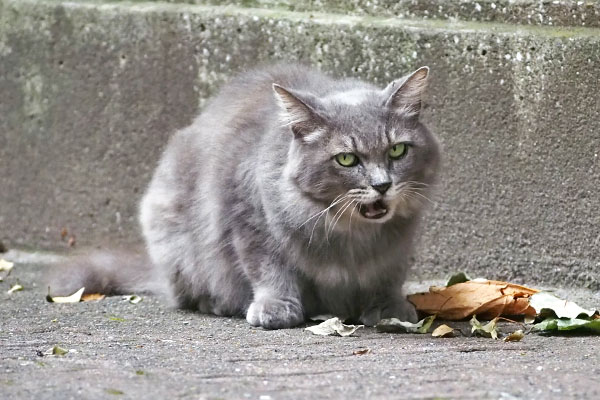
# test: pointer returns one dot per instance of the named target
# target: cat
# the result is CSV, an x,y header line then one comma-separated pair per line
x,y
292,194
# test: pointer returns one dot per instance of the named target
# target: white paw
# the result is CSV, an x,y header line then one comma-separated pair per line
x,y
275,313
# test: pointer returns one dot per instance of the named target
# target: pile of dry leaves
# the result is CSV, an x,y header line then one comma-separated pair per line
x,y
464,298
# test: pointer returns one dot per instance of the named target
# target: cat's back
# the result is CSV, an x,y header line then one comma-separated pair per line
x,y
245,109
249,98
206,180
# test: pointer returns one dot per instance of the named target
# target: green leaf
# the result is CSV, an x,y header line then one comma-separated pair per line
x,y
59,351
333,326
549,324
568,324
487,330
459,277
115,392
548,305
394,325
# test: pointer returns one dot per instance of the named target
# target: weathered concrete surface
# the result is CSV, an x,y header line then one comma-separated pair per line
x,y
91,91
530,12
122,350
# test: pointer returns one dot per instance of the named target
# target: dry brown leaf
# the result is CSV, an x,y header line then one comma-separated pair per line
x,y
72,241
486,299
6,265
15,288
92,297
516,336
361,352
74,298
443,331
333,327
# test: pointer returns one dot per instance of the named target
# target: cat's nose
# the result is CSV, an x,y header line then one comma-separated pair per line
x,y
382,187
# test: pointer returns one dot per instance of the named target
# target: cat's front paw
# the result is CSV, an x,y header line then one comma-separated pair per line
x,y
275,313
402,309
370,317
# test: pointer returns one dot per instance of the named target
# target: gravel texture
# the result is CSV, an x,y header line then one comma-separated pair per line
x,y
145,350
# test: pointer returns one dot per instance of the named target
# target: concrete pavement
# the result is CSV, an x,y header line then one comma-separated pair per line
x,y
145,350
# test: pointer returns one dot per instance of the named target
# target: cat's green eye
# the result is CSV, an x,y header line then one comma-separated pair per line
x,y
346,159
398,150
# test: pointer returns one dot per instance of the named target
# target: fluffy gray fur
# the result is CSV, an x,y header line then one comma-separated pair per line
x,y
249,213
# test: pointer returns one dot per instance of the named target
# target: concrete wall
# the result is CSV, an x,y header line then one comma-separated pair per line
x,y
529,12
90,91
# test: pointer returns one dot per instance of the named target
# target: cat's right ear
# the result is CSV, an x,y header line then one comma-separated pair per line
x,y
296,113
404,95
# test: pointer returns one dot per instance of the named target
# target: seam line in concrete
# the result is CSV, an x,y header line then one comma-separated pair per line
x,y
429,25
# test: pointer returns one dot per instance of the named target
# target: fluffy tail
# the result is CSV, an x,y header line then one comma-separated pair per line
x,y
105,272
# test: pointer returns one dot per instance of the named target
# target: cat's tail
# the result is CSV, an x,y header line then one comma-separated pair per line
x,y
105,272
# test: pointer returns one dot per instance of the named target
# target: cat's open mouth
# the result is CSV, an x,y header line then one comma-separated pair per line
x,y
374,210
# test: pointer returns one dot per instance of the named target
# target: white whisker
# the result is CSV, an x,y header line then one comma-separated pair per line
x,y
333,203
423,196
325,212
333,219
343,209
315,225
354,208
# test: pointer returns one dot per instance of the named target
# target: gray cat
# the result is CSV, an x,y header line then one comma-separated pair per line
x,y
291,195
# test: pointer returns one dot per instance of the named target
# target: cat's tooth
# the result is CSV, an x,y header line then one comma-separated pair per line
x,y
371,211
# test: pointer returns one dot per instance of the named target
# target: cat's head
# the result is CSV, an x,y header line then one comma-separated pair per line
x,y
362,150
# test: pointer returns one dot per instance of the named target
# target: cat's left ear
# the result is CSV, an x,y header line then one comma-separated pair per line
x,y
404,94
298,114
